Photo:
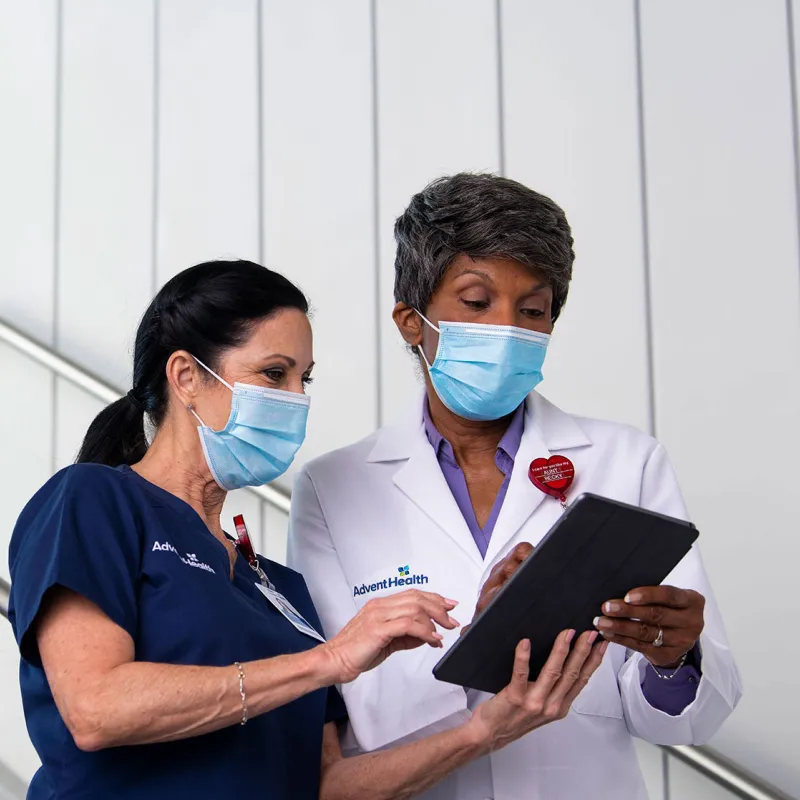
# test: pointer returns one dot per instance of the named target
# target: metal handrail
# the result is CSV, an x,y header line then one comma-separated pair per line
x,y
98,388
704,759
724,772
5,590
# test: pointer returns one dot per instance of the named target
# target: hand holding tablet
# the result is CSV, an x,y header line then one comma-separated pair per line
x,y
523,706
599,549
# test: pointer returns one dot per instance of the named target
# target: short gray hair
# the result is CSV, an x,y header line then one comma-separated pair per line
x,y
482,216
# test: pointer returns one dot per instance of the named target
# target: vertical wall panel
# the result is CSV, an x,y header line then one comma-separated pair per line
x,y
437,114
27,157
26,436
104,277
276,528
318,192
652,763
723,224
27,160
75,410
571,121
208,166
793,10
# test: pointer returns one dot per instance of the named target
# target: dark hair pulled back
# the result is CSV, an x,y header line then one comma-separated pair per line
x,y
206,310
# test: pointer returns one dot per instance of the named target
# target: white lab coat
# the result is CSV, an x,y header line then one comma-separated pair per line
x,y
361,513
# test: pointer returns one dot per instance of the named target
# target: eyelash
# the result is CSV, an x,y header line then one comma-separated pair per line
x,y
270,373
480,305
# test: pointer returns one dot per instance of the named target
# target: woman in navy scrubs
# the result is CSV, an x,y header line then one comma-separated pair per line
x,y
158,661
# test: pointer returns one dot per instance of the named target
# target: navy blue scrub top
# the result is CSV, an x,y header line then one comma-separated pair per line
x,y
150,563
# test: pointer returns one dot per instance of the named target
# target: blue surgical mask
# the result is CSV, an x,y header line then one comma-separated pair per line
x,y
484,372
264,432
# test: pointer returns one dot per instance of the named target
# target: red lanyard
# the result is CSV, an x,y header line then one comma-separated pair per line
x,y
245,547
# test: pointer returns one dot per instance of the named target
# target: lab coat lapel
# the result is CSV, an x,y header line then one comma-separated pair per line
x,y
421,480
547,429
522,497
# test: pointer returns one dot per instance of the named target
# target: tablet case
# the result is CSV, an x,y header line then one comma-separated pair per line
x,y
599,550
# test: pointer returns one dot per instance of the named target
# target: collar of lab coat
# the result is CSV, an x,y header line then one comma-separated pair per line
x,y
547,430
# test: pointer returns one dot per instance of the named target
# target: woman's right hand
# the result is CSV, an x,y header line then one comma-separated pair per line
x,y
384,626
524,705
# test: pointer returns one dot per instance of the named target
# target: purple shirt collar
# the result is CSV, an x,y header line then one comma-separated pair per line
x,y
507,447
504,458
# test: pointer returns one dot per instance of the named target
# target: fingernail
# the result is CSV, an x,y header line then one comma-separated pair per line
x,y
437,636
633,598
611,608
453,603
570,636
603,622
593,637
596,621
454,621
603,648
526,645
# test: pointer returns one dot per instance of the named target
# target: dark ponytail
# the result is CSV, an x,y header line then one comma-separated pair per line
x,y
205,310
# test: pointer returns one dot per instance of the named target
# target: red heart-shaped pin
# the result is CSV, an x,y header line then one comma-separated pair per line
x,y
552,475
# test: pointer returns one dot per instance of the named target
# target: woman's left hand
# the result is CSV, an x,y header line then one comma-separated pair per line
x,y
636,621
499,576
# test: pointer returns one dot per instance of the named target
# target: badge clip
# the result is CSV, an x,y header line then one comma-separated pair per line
x,y
553,476
245,547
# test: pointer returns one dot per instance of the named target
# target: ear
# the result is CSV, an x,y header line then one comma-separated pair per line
x,y
408,323
183,377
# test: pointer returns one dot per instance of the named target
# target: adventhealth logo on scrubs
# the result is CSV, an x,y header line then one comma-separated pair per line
x,y
403,578
190,560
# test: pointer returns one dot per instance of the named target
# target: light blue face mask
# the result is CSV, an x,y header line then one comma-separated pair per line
x,y
264,432
484,372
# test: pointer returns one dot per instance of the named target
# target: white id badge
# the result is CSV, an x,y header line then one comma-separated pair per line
x,y
289,611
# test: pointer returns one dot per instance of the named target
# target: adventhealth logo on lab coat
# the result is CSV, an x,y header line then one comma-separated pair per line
x,y
403,578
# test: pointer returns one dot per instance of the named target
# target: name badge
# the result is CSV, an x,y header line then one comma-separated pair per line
x,y
289,611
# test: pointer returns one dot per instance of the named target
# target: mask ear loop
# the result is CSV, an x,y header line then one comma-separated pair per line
x,y
419,346
190,407
208,369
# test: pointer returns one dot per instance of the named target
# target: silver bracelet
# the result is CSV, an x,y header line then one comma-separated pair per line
x,y
242,692
674,670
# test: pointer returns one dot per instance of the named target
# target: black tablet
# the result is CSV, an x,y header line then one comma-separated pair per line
x,y
598,550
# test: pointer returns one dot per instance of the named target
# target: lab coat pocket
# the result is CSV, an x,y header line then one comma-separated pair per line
x,y
601,696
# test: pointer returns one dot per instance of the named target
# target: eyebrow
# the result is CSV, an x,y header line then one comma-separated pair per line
x,y
288,359
481,274
540,286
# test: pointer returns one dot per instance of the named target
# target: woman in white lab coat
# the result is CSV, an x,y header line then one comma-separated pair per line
x,y
441,500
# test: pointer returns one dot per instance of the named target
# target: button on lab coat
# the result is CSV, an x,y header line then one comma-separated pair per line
x,y
377,517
